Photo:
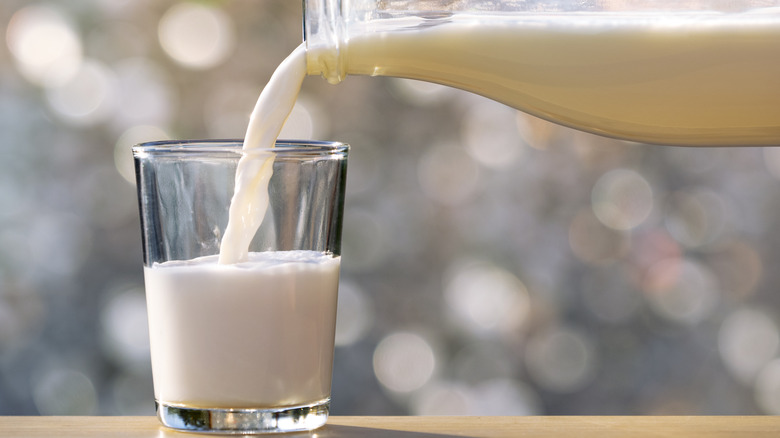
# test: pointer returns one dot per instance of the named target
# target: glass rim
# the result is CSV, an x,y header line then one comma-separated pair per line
x,y
235,146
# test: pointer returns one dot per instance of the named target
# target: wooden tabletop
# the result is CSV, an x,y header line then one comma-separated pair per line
x,y
422,427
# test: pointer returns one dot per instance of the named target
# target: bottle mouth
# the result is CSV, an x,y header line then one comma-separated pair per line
x,y
323,36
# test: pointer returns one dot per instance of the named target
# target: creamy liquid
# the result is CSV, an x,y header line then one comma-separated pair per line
x,y
246,330
688,79
238,334
250,196
250,335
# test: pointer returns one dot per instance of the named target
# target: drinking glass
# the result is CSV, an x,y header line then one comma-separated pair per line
x,y
243,347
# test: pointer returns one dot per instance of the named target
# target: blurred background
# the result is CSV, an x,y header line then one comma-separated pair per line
x,y
493,263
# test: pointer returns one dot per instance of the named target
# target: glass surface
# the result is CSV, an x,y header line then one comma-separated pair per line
x,y
246,347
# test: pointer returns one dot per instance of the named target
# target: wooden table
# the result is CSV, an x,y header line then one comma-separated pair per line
x,y
423,427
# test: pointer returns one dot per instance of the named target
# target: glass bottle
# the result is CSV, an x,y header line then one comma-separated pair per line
x,y
680,72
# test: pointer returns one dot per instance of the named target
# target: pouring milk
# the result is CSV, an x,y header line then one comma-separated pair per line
x,y
199,310
693,79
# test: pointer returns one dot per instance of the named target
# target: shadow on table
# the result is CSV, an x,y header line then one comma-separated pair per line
x,y
342,431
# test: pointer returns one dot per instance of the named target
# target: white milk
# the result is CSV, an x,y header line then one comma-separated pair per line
x,y
250,198
697,79
693,79
250,335
246,330
247,333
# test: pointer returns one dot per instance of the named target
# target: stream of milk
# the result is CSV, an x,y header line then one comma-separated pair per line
x,y
250,198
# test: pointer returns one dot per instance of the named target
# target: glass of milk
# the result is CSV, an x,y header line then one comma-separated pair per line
x,y
245,346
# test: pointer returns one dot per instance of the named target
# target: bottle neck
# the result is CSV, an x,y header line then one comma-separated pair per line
x,y
323,34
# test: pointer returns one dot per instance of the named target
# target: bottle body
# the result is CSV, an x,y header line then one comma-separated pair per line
x,y
682,77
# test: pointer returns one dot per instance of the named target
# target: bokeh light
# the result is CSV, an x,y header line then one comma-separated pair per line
x,y
87,97
747,341
622,199
145,94
355,314
561,360
418,92
490,135
681,290
404,362
123,156
125,328
767,388
196,35
300,123
504,397
486,299
44,44
65,392
695,217
442,398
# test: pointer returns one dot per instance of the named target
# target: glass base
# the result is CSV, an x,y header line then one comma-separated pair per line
x,y
244,421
